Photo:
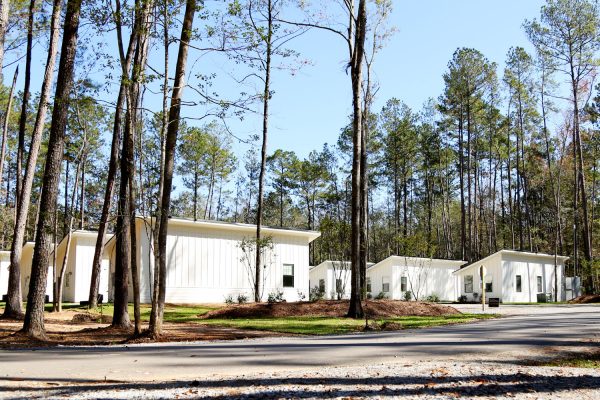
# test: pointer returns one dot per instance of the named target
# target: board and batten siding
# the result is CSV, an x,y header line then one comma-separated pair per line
x,y
502,269
424,277
26,260
204,262
330,272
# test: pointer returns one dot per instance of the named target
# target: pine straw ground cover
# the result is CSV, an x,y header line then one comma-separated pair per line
x,y
328,317
78,326
586,299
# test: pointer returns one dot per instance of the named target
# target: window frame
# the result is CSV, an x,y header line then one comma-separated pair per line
x,y
286,282
539,284
518,283
403,284
470,284
368,282
384,284
490,288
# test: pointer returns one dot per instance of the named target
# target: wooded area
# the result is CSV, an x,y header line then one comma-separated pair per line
x,y
475,170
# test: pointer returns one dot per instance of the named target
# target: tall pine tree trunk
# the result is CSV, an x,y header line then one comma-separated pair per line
x,y
357,39
158,303
263,152
34,316
13,305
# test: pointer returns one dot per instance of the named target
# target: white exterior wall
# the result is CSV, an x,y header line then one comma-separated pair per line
x,y
493,272
204,264
503,267
330,271
530,269
424,277
4,265
26,259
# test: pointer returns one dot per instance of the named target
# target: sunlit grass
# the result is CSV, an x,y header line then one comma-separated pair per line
x,y
328,325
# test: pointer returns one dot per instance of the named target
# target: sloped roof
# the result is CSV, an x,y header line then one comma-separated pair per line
x,y
434,261
524,254
239,227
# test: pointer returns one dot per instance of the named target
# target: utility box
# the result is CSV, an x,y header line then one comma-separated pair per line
x,y
494,302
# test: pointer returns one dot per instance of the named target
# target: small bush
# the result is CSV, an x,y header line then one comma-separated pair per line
x,y
242,298
407,296
316,294
381,296
475,296
301,296
369,296
433,298
275,297
462,299
229,299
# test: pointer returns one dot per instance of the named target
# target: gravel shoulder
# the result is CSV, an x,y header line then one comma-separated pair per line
x,y
423,380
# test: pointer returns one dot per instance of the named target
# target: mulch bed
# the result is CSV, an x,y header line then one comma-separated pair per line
x,y
587,298
330,308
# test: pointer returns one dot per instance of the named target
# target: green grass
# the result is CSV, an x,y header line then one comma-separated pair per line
x,y
576,360
294,325
550,303
329,326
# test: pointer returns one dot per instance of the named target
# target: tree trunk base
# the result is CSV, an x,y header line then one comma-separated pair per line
x,y
32,334
122,325
8,314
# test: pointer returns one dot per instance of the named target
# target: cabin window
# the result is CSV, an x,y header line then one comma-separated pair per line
x,y
403,284
368,285
539,284
288,275
519,286
322,285
385,284
469,284
68,280
489,287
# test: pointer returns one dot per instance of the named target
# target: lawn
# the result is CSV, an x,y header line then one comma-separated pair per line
x,y
173,313
329,326
306,325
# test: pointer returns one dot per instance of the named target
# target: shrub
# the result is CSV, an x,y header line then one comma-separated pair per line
x,y
301,296
433,298
369,296
407,296
462,299
229,299
242,298
275,297
381,296
475,296
316,294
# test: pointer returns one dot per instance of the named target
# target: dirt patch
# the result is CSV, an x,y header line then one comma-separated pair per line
x,y
587,298
70,328
330,308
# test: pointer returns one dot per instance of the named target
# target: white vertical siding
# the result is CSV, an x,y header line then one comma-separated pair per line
x,y
204,266
4,265
424,277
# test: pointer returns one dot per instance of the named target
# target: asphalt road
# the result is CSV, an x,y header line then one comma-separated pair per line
x,y
505,339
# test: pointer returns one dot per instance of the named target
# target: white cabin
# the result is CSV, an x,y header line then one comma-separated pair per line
x,y
205,263
4,265
78,270
421,277
26,260
333,279
514,276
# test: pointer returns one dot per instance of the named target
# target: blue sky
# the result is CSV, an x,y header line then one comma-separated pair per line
x,y
309,108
